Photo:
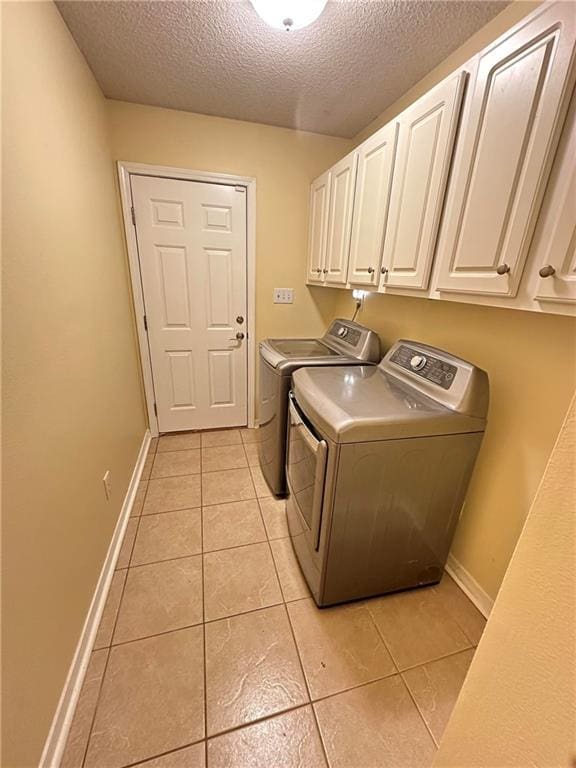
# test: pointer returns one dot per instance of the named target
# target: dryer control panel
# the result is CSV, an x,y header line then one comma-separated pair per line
x,y
450,380
427,366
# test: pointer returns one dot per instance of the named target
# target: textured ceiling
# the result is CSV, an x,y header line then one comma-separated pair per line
x,y
219,58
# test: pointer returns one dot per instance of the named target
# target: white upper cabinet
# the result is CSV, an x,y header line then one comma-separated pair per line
x,y
509,131
371,203
318,227
425,145
554,247
341,205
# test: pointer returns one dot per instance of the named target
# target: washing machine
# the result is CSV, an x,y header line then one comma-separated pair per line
x,y
344,343
378,463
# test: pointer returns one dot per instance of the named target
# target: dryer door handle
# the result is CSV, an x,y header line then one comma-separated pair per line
x,y
317,453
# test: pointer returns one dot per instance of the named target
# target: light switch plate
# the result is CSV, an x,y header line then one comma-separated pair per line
x,y
283,295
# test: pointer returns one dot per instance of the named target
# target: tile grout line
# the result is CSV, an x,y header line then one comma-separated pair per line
x,y
303,671
437,658
93,718
168,477
407,688
109,648
257,721
400,674
380,634
164,560
454,617
170,511
205,697
216,504
162,754
225,732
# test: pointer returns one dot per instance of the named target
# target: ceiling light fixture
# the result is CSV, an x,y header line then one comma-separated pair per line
x,y
289,14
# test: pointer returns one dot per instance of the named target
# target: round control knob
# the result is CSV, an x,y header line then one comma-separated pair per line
x,y
417,362
342,332
502,269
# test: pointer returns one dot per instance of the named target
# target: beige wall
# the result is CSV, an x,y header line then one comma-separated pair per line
x,y
517,707
528,400
72,401
282,160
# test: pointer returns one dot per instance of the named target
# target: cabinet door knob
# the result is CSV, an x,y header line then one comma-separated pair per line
x,y
547,271
325,271
384,270
370,270
318,270
502,269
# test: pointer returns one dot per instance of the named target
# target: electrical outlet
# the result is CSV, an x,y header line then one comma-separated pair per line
x,y
283,295
107,484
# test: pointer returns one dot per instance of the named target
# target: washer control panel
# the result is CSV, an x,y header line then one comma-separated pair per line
x,y
345,333
433,369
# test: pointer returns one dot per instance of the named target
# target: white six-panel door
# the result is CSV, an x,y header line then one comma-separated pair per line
x,y
425,145
510,127
192,251
371,202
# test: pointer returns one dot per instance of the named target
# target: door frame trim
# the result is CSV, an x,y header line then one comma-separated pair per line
x,y
125,170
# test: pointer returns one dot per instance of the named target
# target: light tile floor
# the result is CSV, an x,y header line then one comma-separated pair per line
x,y
211,652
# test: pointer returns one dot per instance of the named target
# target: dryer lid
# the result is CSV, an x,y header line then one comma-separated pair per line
x,y
361,403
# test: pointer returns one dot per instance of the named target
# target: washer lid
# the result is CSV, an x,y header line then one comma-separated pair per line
x,y
343,343
297,348
287,355
354,404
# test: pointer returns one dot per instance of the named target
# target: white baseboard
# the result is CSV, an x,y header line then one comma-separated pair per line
x,y
56,741
469,586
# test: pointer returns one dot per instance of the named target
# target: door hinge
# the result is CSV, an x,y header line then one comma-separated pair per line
x,y
145,323
133,215
240,189
155,410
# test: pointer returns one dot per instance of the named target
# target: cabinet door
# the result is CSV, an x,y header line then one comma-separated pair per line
x,y
340,219
555,243
318,227
371,202
425,145
510,129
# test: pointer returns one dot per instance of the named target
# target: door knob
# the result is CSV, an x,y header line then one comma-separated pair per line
x,y
239,319
239,336
547,271
370,270
384,270
502,269
318,270
325,271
